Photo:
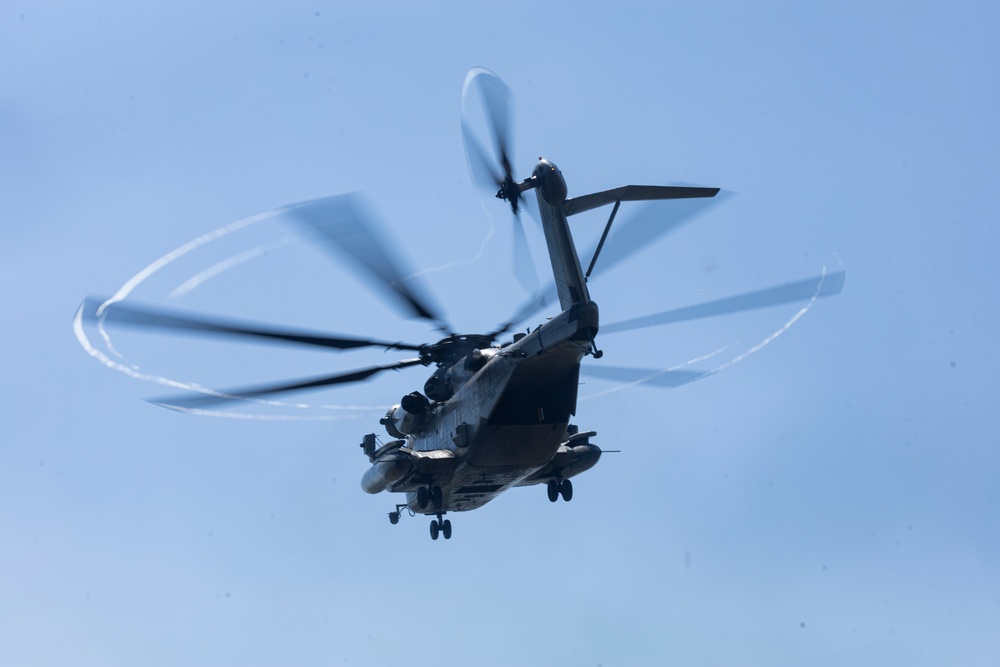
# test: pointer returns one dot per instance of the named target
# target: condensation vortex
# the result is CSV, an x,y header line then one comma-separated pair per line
x,y
311,411
742,356
116,361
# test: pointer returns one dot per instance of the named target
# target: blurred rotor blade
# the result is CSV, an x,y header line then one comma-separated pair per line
x,y
207,400
818,286
345,224
524,265
118,312
647,224
484,177
494,96
636,232
497,100
660,378
538,301
530,205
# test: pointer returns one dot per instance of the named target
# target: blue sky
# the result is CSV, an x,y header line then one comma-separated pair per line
x,y
829,500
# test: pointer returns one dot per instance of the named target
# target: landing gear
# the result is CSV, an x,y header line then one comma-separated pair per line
x,y
429,495
440,526
425,496
560,487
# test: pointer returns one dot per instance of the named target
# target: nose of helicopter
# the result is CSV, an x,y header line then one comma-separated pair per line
x,y
551,183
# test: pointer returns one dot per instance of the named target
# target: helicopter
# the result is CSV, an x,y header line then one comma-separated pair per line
x,y
495,413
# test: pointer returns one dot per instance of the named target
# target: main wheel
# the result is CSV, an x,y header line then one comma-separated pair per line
x,y
566,490
435,529
422,497
437,497
553,489
446,529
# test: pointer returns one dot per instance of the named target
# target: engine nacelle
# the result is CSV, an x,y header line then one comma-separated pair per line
x,y
408,417
574,456
438,386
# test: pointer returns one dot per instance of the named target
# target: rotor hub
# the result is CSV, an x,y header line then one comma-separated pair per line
x,y
450,350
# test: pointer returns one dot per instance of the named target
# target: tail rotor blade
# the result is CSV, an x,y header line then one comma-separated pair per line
x,y
524,265
481,168
497,100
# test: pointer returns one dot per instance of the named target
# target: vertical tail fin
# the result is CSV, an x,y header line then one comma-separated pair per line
x,y
570,282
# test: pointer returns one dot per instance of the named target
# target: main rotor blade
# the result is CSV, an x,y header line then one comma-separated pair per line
x,y
534,304
647,224
660,378
345,224
801,290
154,318
199,400
636,232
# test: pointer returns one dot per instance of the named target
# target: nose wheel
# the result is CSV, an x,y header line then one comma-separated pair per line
x,y
440,526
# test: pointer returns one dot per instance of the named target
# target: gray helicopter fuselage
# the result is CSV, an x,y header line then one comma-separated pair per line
x,y
508,423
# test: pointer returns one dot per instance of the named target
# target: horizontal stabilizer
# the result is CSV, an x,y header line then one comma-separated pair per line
x,y
634,193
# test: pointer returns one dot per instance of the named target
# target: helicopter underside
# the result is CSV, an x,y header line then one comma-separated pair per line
x,y
469,486
515,453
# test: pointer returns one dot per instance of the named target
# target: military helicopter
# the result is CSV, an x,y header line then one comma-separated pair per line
x,y
494,414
